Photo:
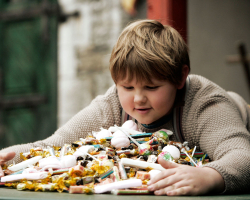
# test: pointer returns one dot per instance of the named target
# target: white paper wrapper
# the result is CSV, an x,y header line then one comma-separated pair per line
x,y
141,164
25,164
118,185
30,176
83,150
153,173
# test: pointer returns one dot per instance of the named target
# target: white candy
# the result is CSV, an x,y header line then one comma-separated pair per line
x,y
68,161
103,134
119,134
167,131
29,176
54,163
29,170
83,150
154,172
173,150
118,185
119,142
108,163
141,164
25,163
130,124
52,160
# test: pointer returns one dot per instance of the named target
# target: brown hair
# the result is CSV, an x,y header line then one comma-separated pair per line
x,y
147,49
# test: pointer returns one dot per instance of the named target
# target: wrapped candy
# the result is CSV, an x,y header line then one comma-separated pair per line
x,y
102,134
142,175
25,163
173,150
130,124
81,190
120,140
145,149
123,163
29,176
55,163
166,156
118,185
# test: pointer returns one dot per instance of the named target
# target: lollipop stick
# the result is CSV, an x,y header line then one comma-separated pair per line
x,y
190,158
93,157
193,152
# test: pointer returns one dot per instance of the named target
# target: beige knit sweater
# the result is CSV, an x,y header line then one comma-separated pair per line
x,y
215,121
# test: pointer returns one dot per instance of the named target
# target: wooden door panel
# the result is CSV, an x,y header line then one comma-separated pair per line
x,y
28,70
22,57
16,132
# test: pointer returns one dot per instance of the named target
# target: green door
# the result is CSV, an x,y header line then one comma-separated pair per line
x,y
28,70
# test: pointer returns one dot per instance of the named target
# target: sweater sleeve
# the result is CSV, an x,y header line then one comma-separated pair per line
x,y
222,134
104,111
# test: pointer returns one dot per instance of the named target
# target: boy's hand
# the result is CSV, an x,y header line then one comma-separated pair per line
x,y
185,180
4,157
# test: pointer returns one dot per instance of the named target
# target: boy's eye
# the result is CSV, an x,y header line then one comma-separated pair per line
x,y
128,88
152,87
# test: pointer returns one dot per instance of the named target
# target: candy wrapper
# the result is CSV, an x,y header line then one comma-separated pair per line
x,y
120,160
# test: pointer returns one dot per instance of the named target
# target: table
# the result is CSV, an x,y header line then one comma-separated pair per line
x,y
10,194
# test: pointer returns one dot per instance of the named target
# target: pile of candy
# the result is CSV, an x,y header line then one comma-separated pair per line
x,y
120,160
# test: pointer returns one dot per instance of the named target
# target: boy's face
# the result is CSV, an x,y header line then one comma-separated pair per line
x,y
146,102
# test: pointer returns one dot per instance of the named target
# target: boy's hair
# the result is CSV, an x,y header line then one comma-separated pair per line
x,y
147,49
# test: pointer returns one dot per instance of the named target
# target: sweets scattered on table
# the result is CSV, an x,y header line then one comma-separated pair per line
x,y
120,160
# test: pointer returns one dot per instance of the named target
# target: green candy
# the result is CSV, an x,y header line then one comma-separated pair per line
x,y
161,134
167,157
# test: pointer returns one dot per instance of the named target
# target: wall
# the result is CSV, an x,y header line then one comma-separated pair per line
x,y
214,29
84,47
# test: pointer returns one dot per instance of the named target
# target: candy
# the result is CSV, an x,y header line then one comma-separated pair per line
x,y
83,150
25,163
55,163
131,192
130,124
30,176
189,157
161,134
173,150
142,175
122,171
126,162
116,176
141,164
80,190
166,156
103,134
118,185
21,186
153,173
152,158
120,140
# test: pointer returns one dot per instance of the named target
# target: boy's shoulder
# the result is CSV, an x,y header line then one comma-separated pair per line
x,y
200,86
202,91
110,96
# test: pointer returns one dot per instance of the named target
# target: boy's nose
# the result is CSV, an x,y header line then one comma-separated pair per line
x,y
140,98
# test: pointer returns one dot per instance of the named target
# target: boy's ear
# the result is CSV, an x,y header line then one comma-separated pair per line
x,y
185,71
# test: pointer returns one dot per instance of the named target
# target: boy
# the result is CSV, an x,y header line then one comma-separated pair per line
x,y
149,65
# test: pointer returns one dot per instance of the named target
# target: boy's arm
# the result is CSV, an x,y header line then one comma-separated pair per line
x,y
104,111
217,129
220,132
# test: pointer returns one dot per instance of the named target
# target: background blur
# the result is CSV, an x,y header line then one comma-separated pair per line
x,y
54,54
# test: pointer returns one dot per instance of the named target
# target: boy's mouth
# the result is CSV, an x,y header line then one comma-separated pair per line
x,y
142,110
